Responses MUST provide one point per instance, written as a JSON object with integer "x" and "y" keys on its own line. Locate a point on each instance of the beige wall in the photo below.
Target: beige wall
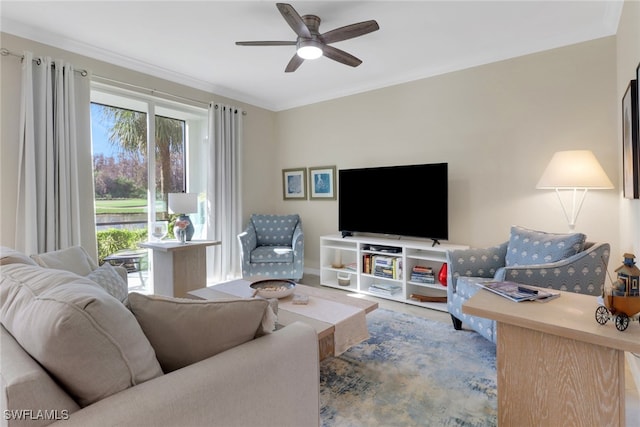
{"x": 496, "y": 125}
{"x": 628, "y": 58}
{"x": 258, "y": 150}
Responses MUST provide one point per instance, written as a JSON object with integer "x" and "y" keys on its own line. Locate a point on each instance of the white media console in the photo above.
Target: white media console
{"x": 343, "y": 265}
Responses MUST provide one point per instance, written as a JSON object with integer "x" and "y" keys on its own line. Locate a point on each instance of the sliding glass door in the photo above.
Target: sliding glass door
{"x": 143, "y": 149}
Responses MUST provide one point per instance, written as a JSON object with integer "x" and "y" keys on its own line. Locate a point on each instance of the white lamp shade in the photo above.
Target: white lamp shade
{"x": 574, "y": 169}
{"x": 183, "y": 203}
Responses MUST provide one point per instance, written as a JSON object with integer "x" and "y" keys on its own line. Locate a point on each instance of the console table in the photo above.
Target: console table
{"x": 179, "y": 267}
{"x": 555, "y": 363}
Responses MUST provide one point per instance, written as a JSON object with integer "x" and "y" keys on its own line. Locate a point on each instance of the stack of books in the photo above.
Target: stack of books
{"x": 384, "y": 289}
{"x": 421, "y": 274}
{"x": 382, "y": 266}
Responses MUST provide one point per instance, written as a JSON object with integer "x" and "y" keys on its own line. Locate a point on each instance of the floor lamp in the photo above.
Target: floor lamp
{"x": 577, "y": 171}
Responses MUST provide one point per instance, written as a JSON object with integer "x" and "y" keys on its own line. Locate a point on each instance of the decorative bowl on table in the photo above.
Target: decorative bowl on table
{"x": 273, "y": 288}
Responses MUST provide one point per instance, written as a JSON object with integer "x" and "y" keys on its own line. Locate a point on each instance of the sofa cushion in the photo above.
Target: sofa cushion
{"x": 185, "y": 331}
{"x": 74, "y": 259}
{"x": 85, "y": 338}
{"x": 529, "y": 247}
{"x": 275, "y": 230}
{"x": 11, "y": 256}
{"x": 108, "y": 278}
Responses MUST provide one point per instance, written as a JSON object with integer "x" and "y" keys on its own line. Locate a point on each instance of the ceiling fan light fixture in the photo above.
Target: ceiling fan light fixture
{"x": 309, "y": 49}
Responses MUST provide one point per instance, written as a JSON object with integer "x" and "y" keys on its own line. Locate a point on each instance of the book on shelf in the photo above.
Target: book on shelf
{"x": 429, "y": 279}
{"x": 420, "y": 269}
{"x": 385, "y": 288}
{"x": 422, "y": 274}
{"x": 518, "y": 292}
{"x": 382, "y": 266}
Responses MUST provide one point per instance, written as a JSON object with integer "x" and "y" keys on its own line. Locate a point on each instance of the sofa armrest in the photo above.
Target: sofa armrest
{"x": 583, "y": 273}
{"x": 26, "y": 386}
{"x": 272, "y": 380}
{"x": 474, "y": 262}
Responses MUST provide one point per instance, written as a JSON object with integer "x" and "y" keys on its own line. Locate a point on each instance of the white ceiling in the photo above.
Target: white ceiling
{"x": 193, "y": 42}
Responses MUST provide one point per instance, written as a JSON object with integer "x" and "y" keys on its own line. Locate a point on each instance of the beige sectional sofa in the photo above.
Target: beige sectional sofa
{"x": 75, "y": 350}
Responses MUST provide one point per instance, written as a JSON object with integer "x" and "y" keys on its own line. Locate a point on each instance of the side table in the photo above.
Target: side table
{"x": 556, "y": 365}
{"x": 179, "y": 267}
{"x": 131, "y": 259}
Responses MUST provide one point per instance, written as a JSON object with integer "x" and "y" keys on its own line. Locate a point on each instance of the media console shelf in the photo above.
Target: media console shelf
{"x": 349, "y": 263}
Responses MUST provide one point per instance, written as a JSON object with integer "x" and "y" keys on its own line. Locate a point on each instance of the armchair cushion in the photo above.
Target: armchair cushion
{"x": 186, "y": 331}
{"x": 274, "y": 230}
{"x": 86, "y": 339}
{"x": 272, "y": 254}
{"x": 528, "y": 247}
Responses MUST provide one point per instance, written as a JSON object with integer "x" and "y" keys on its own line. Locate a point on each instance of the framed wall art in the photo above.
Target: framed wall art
{"x": 638, "y": 100}
{"x": 294, "y": 184}
{"x": 630, "y": 149}
{"x": 322, "y": 181}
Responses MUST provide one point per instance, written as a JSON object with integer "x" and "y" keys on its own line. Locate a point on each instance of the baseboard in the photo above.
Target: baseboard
{"x": 313, "y": 271}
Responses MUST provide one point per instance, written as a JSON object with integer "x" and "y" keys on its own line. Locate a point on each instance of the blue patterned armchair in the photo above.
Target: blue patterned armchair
{"x": 559, "y": 261}
{"x": 272, "y": 246}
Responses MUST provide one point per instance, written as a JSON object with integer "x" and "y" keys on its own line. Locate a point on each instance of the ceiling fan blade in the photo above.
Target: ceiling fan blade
{"x": 350, "y": 31}
{"x": 267, "y": 43}
{"x": 340, "y": 56}
{"x": 294, "y": 19}
{"x": 293, "y": 64}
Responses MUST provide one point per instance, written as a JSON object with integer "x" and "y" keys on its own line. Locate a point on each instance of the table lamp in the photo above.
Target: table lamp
{"x": 183, "y": 204}
{"x": 573, "y": 171}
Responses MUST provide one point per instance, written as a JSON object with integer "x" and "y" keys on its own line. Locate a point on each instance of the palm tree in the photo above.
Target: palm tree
{"x": 129, "y": 133}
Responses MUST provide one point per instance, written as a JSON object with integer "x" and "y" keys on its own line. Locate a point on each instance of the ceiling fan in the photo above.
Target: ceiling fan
{"x": 310, "y": 44}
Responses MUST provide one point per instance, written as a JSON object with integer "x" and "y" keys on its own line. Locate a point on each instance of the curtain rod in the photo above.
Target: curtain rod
{"x": 155, "y": 91}
{"x": 7, "y": 52}
{"x": 152, "y": 91}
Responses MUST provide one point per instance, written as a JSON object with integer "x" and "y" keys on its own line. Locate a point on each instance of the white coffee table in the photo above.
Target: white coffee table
{"x": 327, "y": 309}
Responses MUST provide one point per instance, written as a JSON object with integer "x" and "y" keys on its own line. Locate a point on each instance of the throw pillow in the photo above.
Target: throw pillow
{"x": 74, "y": 259}
{"x": 528, "y": 247}
{"x": 11, "y": 256}
{"x": 185, "y": 331}
{"x": 86, "y": 339}
{"x": 108, "y": 278}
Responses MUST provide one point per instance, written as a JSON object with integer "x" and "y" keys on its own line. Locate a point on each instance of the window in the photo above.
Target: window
{"x": 134, "y": 173}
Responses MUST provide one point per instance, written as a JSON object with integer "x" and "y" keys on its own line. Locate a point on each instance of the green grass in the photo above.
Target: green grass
{"x": 106, "y": 206}
{"x": 125, "y": 206}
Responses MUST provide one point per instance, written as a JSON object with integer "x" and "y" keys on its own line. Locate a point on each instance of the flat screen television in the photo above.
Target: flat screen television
{"x": 410, "y": 200}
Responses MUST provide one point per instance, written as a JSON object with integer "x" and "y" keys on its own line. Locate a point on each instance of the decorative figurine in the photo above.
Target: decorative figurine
{"x": 623, "y": 300}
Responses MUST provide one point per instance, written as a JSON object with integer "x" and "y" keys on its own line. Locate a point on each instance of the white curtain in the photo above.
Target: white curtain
{"x": 55, "y": 194}
{"x": 224, "y": 210}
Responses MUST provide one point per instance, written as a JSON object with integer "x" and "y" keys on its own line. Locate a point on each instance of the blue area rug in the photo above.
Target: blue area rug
{"x": 411, "y": 372}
